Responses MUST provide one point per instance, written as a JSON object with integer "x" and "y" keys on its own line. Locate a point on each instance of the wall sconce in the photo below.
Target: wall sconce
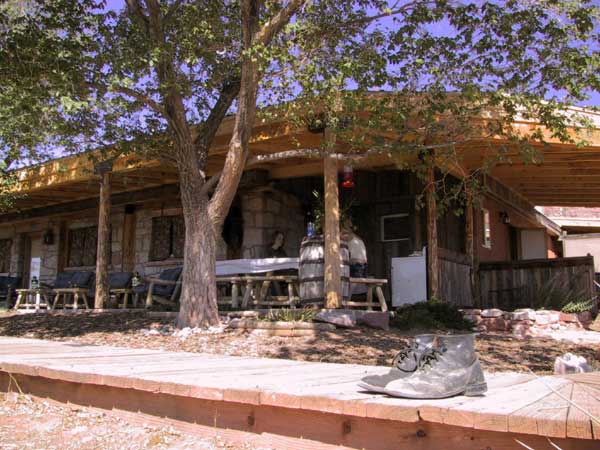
{"x": 48, "y": 237}
{"x": 504, "y": 218}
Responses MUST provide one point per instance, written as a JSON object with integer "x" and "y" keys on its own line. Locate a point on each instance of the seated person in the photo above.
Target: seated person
{"x": 275, "y": 249}
{"x": 357, "y": 250}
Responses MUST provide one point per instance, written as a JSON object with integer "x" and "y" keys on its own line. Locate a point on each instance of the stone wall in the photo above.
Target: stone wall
{"x": 266, "y": 211}
{"x": 526, "y": 323}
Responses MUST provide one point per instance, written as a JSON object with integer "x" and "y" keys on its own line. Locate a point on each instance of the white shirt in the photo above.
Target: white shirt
{"x": 357, "y": 249}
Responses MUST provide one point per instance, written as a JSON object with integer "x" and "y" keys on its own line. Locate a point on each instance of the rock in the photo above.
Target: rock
{"x": 476, "y": 319}
{"x": 375, "y": 319}
{"x": 568, "y": 318}
{"x": 585, "y": 318}
{"x": 184, "y": 333}
{"x": 489, "y": 313}
{"x": 522, "y": 330}
{"x": 471, "y": 312}
{"x": 547, "y": 317}
{"x": 523, "y": 314}
{"x": 341, "y": 319}
{"x": 570, "y": 363}
{"x": 495, "y": 324}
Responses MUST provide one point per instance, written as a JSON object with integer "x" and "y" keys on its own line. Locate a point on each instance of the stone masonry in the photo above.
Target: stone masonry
{"x": 525, "y": 323}
{"x": 266, "y": 211}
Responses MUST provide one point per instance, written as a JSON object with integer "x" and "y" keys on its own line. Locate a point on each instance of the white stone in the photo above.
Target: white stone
{"x": 491, "y": 313}
{"x": 570, "y": 363}
{"x": 338, "y": 318}
{"x": 547, "y": 317}
{"x": 523, "y": 314}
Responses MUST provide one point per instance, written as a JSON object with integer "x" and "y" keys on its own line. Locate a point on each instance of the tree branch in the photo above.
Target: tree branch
{"x": 277, "y": 22}
{"x": 210, "y": 126}
{"x": 136, "y": 10}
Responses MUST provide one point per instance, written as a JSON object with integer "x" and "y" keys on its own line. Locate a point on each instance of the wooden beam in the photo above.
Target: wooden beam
{"x": 103, "y": 249}
{"x": 128, "y": 239}
{"x": 167, "y": 191}
{"x": 332, "y": 280}
{"x": 432, "y": 237}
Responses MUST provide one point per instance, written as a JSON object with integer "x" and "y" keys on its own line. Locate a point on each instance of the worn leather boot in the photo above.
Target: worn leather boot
{"x": 404, "y": 364}
{"x": 449, "y": 368}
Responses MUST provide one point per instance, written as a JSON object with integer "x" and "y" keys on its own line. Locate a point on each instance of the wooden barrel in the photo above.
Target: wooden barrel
{"x": 311, "y": 270}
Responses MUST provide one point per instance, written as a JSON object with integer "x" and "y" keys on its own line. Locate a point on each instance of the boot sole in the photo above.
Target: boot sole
{"x": 473, "y": 390}
{"x": 372, "y": 388}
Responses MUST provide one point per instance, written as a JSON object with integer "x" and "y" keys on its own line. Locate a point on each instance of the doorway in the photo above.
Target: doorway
{"x": 32, "y": 258}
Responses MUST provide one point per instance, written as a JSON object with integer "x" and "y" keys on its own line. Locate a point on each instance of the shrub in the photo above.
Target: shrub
{"x": 558, "y": 295}
{"x": 290, "y": 315}
{"x": 430, "y": 315}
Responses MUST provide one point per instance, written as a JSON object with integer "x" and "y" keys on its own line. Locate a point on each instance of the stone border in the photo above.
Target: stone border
{"x": 526, "y": 322}
{"x": 284, "y": 329}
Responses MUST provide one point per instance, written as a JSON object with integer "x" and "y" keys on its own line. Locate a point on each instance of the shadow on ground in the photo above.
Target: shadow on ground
{"x": 60, "y": 326}
{"x": 497, "y": 351}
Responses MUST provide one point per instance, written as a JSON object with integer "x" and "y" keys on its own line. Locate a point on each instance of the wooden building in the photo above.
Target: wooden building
{"x": 53, "y": 227}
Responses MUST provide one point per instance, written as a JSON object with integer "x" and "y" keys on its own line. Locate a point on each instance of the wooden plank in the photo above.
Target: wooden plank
{"x": 545, "y": 417}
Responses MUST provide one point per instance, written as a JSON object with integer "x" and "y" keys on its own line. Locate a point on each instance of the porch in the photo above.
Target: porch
{"x": 298, "y": 404}
{"x": 131, "y": 221}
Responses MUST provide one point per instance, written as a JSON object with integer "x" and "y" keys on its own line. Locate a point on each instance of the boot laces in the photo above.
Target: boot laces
{"x": 403, "y": 355}
{"x": 429, "y": 359}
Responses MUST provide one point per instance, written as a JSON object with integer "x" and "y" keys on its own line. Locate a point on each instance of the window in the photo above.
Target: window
{"x": 82, "y": 247}
{"x": 487, "y": 229}
{"x": 5, "y": 246}
{"x": 168, "y": 237}
{"x": 395, "y": 227}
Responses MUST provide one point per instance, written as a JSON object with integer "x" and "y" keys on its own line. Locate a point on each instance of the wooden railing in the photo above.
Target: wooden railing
{"x": 516, "y": 284}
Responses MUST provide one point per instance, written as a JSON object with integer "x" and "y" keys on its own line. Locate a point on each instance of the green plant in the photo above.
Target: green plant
{"x": 558, "y": 293}
{"x": 578, "y": 306}
{"x": 319, "y": 210}
{"x": 433, "y": 315}
{"x": 289, "y": 315}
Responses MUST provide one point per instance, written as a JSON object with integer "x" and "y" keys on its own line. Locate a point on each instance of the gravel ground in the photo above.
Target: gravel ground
{"x": 28, "y": 423}
{"x": 497, "y": 351}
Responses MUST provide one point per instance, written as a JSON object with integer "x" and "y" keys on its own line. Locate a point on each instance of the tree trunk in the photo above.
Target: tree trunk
{"x": 432, "y": 237}
{"x": 103, "y": 248}
{"x": 198, "y": 300}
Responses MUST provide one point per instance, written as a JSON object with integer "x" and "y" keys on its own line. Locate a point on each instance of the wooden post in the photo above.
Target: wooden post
{"x": 432, "y": 237}
{"x": 103, "y": 249}
{"x": 128, "y": 240}
{"x": 332, "y": 276}
{"x": 471, "y": 247}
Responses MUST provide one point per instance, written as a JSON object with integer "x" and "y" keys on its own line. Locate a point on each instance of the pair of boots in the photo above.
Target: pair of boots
{"x": 435, "y": 366}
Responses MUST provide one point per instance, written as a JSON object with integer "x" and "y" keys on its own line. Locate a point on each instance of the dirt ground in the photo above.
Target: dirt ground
{"x": 497, "y": 351}
{"x": 29, "y": 423}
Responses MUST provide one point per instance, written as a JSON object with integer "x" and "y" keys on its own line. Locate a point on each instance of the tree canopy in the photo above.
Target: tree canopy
{"x": 405, "y": 77}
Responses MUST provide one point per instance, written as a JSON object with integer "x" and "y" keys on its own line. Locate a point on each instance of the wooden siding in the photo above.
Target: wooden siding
{"x": 516, "y": 284}
{"x": 455, "y": 278}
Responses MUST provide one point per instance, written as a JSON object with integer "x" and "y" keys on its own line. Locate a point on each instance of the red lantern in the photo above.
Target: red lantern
{"x": 348, "y": 182}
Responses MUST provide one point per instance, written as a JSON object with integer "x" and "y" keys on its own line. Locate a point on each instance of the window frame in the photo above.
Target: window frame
{"x": 382, "y": 227}
{"x": 171, "y": 238}
{"x": 486, "y": 228}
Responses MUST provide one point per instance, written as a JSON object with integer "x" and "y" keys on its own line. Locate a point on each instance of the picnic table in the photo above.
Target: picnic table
{"x": 250, "y": 280}
{"x": 34, "y": 298}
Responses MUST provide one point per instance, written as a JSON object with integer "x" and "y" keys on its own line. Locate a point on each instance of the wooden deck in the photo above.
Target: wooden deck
{"x": 303, "y": 405}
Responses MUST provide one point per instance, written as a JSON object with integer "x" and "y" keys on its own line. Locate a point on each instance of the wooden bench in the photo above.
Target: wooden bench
{"x": 373, "y": 284}
{"x": 35, "y": 299}
{"x": 75, "y": 294}
{"x": 253, "y": 291}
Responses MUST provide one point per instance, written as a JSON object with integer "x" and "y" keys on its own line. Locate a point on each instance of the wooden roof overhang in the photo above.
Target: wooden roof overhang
{"x": 565, "y": 175}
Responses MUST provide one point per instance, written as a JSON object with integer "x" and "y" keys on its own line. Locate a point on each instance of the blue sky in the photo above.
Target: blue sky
{"x": 594, "y": 99}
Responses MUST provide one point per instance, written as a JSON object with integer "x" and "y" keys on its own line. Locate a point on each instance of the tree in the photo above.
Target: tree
{"x": 157, "y": 78}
